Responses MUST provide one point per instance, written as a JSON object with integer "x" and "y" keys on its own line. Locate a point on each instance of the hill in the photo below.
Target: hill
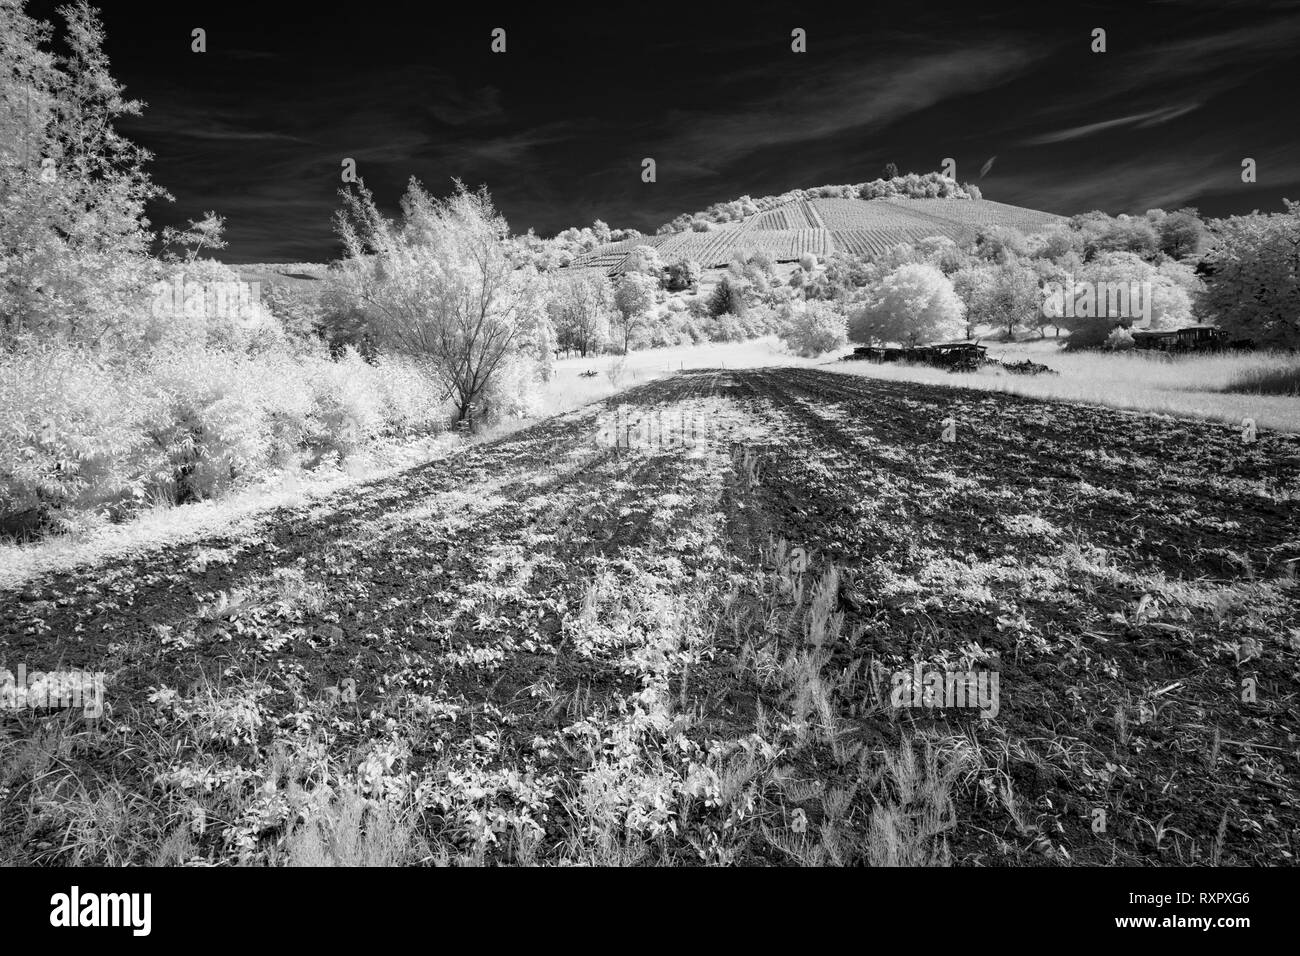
{"x": 823, "y": 226}
{"x": 291, "y": 274}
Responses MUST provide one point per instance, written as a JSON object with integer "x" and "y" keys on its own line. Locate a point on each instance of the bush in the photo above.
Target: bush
{"x": 727, "y": 328}
{"x": 1119, "y": 340}
{"x": 81, "y": 433}
{"x": 72, "y": 433}
{"x": 513, "y": 391}
{"x": 813, "y": 328}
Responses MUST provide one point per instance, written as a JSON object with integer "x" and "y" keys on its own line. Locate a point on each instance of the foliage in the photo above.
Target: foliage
{"x": 1182, "y": 234}
{"x": 634, "y": 297}
{"x": 580, "y": 305}
{"x": 682, "y": 275}
{"x": 73, "y": 240}
{"x": 1160, "y": 291}
{"x": 1119, "y": 339}
{"x": 727, "y": 297}
{"x": 813, "y": 328}
{"x": 913, "y": 303}
{"x": 1006, "y": 295}
{"x": 80, "y": 432}
{"x": 1252, "y": 284}
{"x": 441, "y": 285}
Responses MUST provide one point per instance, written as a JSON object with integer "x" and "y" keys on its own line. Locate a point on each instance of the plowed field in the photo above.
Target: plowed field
{"x": 670, "y": 629}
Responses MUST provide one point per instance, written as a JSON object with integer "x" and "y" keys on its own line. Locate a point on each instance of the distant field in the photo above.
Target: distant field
{"x": 824, "y": 226}
{"x": 282, "y": 273}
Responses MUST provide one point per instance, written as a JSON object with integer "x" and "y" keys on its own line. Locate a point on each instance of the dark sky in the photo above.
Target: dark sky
{"x": 557, "y": 126}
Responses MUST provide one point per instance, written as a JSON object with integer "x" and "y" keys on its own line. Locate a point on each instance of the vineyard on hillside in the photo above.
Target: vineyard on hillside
{"x": 824, "y": 226}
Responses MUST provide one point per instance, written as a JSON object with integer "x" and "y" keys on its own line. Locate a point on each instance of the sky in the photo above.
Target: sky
{"x": 256, "y": 128}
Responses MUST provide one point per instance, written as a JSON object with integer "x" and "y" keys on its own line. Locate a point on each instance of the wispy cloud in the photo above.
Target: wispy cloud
{"x": 840, "y": 98}
{"x": 1143, "y": 120}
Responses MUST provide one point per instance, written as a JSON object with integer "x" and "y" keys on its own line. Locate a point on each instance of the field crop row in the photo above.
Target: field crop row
{"x": 822, "y": 226}
{"x": 870, "y": 242}
{"x": 977, "y": 212}
{"x": 798, "y": 214}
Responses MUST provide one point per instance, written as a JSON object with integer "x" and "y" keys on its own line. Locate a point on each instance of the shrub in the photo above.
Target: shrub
{"x": 80, "y": 433}
{"x": 513, "y": 392}
{"x": 212, "y": 429}
{"x": 813, "y": 328}
{"x": 72, "y": 433}
{"x": 727, "y": 328}
{"x": 1119, "y": 340}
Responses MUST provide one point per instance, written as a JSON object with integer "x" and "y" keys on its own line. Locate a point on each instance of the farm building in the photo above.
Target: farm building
{"x": 1188, "y": 338}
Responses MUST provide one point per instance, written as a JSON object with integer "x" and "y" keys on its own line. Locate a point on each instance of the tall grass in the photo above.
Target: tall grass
{"x": 1216, "y": 386}
{"x": 1264, "y": 380}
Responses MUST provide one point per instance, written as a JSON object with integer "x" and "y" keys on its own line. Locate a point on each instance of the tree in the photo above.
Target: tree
{"x": 74, "y": 243}
{"x": 1118, "y": 289}
{"x": 727, "y": 298}
{"x": 1252, "y": 285}
{"x": 1056, "y": 243}
{"x": 440, "y": 285}
{"x": 580, "y": 308}
{"x": 891, "y": 171}
{"x": 1000, "y": 244}
{"x": 1182, "y": 234}
{"x": 1006, "y": 295}
{"x": 1133, "y": 234}
{"x": 812, "y": 328}
{"x": 682, "y": 275}
{"x": 645, "y": 259}
{"x": 913, "y": 303}
{"x": 843, "y": 276}
{"x": 634, "y": 297}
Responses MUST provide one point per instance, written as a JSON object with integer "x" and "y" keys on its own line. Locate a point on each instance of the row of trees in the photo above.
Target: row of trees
{"x": 1239, "y": 273}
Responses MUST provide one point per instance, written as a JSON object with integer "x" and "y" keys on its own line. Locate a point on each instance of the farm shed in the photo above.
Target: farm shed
{"x": 1188, "y": 338}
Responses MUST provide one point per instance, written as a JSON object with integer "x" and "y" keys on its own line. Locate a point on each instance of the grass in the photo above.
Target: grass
{"x": 1269, "y": 381}
{"x": 1224, "y": 386}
